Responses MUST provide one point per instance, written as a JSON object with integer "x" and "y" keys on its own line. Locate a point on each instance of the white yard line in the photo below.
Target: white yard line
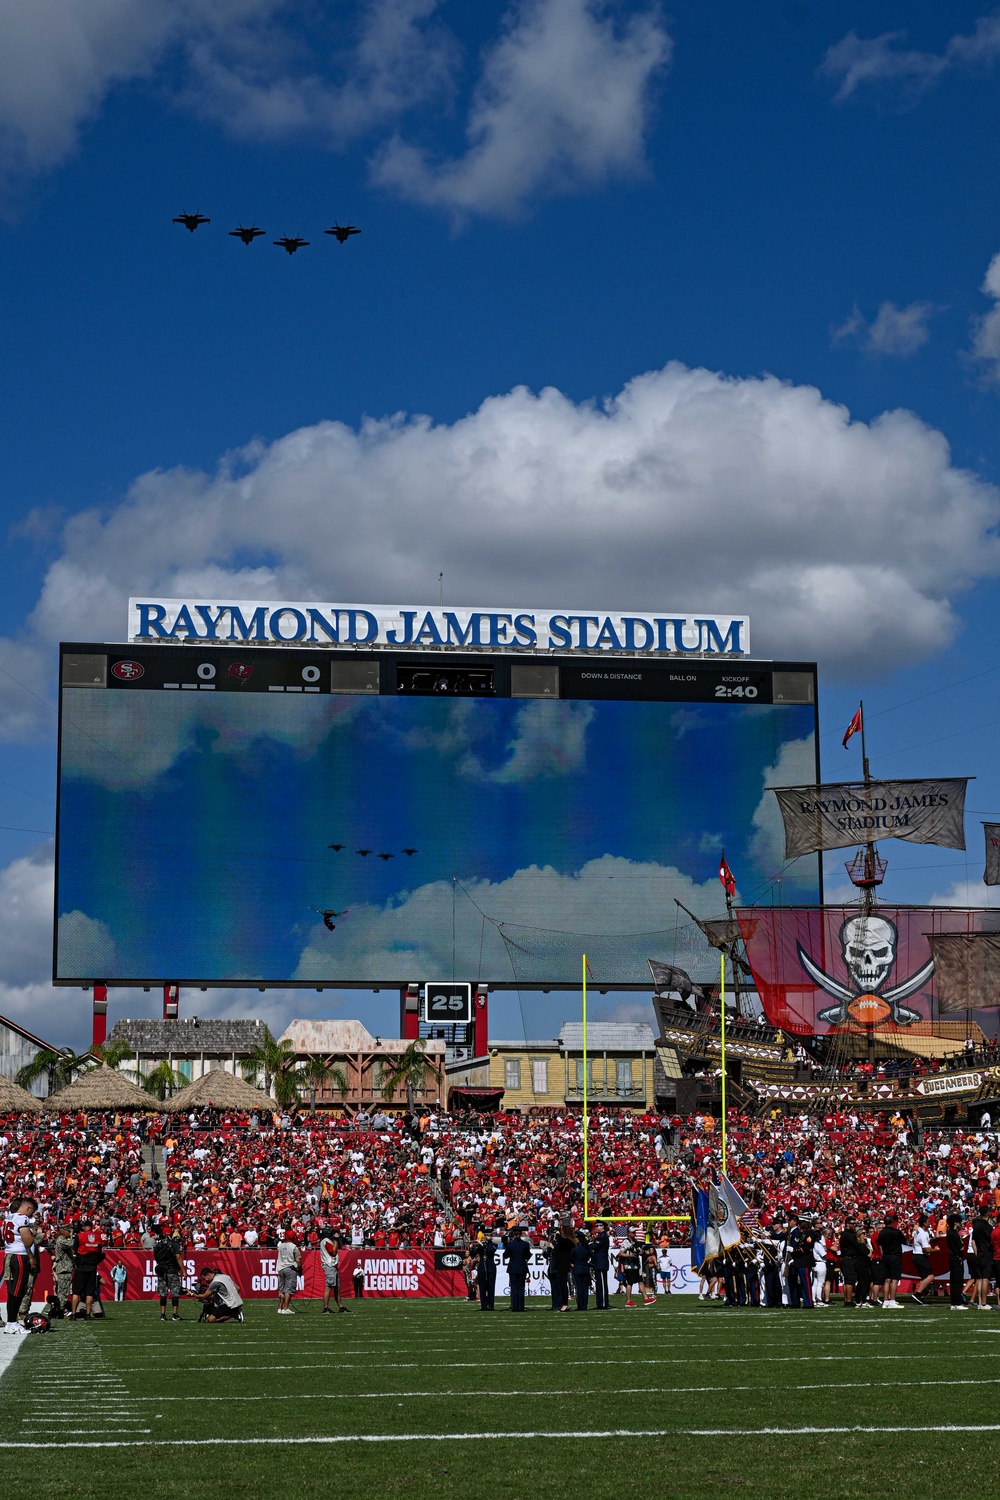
{"x": 636, "y": 1390}
{"x": 515, "y": 1437}
{"x": 427, "y": 1364}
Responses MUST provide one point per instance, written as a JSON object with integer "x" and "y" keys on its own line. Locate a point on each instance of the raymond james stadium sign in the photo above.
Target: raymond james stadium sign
{"x": 415, "y": 626}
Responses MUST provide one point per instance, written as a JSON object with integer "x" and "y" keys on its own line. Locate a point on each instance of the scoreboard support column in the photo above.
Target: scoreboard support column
{"x": 100, "y": 1031}
{"x": 409, "y": 1012}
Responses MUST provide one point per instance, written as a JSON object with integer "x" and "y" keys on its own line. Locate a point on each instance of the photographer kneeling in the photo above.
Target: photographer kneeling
{"x": 219, "y": 1296}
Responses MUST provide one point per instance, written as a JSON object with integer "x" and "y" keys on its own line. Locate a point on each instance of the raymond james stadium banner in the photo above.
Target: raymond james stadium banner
{"x": 391, "y": 627}
{"x": 825, "y": 969}
{"x": 839, "y": 814}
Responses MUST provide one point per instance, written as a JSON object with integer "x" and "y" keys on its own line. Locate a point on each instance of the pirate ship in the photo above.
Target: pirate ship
{"x": 864, "y": 1002}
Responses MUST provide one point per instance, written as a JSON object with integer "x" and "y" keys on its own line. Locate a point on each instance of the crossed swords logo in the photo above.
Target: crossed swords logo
{"x": 869, "y": 949}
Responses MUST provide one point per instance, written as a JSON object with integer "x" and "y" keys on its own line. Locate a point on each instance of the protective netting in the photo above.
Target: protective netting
{"x": 536, "y": 953}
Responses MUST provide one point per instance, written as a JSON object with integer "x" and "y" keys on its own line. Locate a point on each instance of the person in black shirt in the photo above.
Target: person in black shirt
{"x": 601, "y": 1264}
{"x": 486, "y": 1275}
{"x": 168, "y": 1273}
{"x": 518, "y": 1256}
{"x": 956, "y": 1262}
{"x": 890, "y": 1242}
{"x": 560, "y": 1263}
{"x": 981, "y": 1259}
{"x": 855, "y": 1266}
{"x": 582, "y": 1258}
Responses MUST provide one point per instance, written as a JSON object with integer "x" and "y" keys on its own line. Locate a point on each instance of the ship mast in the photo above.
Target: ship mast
{"x": 867, "y": 868}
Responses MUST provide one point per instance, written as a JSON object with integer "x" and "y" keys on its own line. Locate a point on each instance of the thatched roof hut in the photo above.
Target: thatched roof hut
{"x": 100, "y": 1088}
{"x": 16, "y": 1100}
{"x": 220, "y": 1090}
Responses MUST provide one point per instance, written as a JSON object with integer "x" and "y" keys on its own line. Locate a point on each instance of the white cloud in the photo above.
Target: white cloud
{"x": 549, "y": 739}
{"x": 113, "y": 751}
{"x": 858, "y": 61}
{"x": 845, "y": 541}
{"x": 86, "y": 947}
{"x": 607, "y": 900}
{"x": 794, "y": 766}
{"x": 562, "y": 103}
{"x": 986, "y": 330}
{"x": 898, "y": 331}
{"x": 261, "y": 68}
{"x": 264, "y": 83}
{"x": 964, "y": 893}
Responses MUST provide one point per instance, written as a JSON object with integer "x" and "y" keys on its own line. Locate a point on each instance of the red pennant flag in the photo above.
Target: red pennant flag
{"x": 854, "y": 727}
{"x": 726, "y": 876}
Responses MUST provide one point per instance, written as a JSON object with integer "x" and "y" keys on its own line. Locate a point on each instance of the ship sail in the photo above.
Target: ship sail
{"x": 836, "y": 814}
{"x": 966, "y": 969}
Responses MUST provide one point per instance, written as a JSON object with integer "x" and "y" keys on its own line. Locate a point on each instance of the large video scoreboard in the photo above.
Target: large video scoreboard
{"x": 240, "y": 815}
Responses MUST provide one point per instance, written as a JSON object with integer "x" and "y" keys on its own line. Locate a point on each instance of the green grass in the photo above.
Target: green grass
{"x": 398, "y": 1367}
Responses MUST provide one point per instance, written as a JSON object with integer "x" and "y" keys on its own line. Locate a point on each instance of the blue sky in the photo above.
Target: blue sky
{"x": 569, "y": 210}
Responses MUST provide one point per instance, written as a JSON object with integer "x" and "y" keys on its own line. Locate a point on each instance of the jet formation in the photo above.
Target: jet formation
{"x": 250, "y": 232}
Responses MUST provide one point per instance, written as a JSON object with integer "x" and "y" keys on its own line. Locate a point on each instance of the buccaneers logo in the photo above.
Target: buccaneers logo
{"x": 868, "y": 944}
{"x": 241, "y": 670}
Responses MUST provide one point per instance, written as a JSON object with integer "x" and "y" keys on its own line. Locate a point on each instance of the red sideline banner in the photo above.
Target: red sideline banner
{"x": 386, "y": 1273}
{"x": 400, "y": 1273}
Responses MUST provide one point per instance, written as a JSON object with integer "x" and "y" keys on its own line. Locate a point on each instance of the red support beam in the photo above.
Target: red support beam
{"x": 100, "y": 1031}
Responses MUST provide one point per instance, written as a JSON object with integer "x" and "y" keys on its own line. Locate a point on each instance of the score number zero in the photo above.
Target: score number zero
{"x": 736, "y": 692}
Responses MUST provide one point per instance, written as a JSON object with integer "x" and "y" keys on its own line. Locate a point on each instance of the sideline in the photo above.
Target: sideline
{"x": 10, "y": 1343}
{"x": 338, "y": 1439}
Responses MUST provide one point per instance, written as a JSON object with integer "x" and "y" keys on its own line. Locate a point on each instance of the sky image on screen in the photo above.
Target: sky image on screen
{"x": 195, "y": 834}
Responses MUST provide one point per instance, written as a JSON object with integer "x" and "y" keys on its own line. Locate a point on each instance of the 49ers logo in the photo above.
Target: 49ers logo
{"x": 127, "y": 671}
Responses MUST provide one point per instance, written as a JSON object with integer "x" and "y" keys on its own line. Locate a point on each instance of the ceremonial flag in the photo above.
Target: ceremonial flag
{"x": 726, "y": 876}
{"x": 727, "y": 1230}
{"x": 854, "y": 727}
{"x": 699, "y": 1227}
{"x": 736, "y": 1201}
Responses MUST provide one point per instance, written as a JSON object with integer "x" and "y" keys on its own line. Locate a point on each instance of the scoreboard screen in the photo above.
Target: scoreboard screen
{"x": 233, "y": 815}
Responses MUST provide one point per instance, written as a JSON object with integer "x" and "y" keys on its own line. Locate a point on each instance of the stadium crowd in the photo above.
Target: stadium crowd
{"x": 232, "y": 1180}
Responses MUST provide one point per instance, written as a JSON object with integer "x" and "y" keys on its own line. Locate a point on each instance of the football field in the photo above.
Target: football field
{"x": 438, "y": 1399}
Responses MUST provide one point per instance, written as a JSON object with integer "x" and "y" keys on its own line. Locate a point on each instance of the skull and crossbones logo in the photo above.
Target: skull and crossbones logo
{"x": 868, "y": 944}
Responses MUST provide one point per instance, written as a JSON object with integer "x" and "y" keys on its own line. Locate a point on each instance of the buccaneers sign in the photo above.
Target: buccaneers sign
{"x": 824, "y": 969}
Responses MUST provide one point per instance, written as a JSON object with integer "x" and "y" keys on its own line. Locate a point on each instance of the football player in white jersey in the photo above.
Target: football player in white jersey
{"x": 22, "y": 1258}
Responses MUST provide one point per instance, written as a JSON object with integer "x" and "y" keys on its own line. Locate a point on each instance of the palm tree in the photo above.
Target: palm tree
{"x": 316, "y": 1073}
{"x": 162, "y": 1080}
{"x": 60, "y": 1068}
{"x": 114, "y": 1053}
{"x": 276, "y": 1061}
{"x": 408, "y": 1069}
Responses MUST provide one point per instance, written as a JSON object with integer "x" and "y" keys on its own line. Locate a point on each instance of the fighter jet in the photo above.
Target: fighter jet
{"x": 338, "y": 847}
{"x": 291, "y": 244}
{"x": 387, "y": 856}
{"x": 363, "y": 852}
{"x": 341, "y": 232}
{"x": 329, "y": 915}
{"x": 191, "y": 221}
{"x": 241, "y": 232}
{"x": 410, "y": 852}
